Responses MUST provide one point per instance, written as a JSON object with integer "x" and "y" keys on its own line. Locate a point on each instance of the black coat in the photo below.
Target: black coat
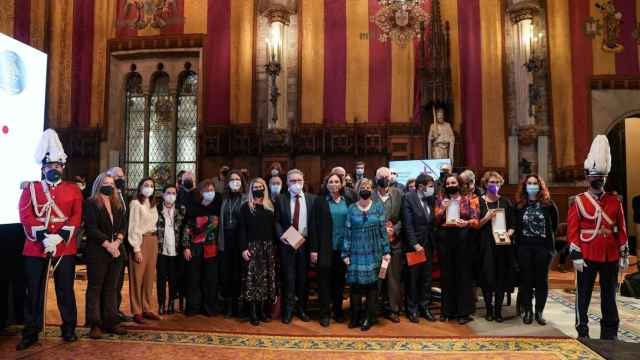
{"x": 418, "y": 227}
{"x": 283, "y": 218}
{"x": 324, "y": 247}
{"x": 99, "y": 228}
{"x": 258, "y": 226}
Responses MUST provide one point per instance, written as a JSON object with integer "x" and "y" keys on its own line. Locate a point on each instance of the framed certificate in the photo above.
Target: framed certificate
{"x": 453, "y": 212}
{"x": 499, "y": 228}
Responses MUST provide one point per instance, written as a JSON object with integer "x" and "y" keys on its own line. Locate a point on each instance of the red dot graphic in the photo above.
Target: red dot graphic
{"x": 5, "y": 129}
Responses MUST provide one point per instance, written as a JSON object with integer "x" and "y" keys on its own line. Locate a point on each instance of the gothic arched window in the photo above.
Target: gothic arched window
{"x": 161, "y": 126}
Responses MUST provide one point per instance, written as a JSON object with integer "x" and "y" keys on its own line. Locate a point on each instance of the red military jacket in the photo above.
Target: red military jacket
{"x": 68, "y": 200}
{"x": 607, "y": 242}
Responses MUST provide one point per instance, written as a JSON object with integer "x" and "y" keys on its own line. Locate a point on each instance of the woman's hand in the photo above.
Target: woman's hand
{"x": 187, "y": 254}
{"x": 246, "y": 255}
{"x": 137, "y": 256}
{"x": 386, "y": 258}
{"x": 346, "y": 261}
{"x": 445, "y": 203}
{"x": 462, "y": 223}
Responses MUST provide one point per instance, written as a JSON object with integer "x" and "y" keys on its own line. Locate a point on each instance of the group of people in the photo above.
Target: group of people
{"x": 238, "y": 246}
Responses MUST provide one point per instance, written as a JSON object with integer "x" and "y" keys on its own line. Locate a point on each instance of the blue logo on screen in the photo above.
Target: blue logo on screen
{"x": 13, "y": 74}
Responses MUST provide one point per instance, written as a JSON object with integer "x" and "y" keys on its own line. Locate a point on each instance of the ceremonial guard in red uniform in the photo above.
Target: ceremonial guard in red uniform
{"x": 598, "y": 238}
{"x": 50, "y": 212}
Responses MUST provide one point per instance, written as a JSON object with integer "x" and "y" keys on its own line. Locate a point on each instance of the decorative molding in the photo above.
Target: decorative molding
{"x": 178, "y": 41}
{"x": 524, "y": 10}
{"x": 615, "y": 82}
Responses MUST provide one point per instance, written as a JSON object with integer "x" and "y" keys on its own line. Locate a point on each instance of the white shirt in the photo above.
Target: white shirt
{"x": 426, "y": 208}
{"x": 384, "y": 197}
{"x": 169, "y": 245}
{"x": 302, "y": 219}
{"x": 142, "y": 219}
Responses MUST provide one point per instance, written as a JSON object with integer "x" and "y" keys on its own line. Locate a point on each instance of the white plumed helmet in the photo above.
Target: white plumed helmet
{"x": 50, "y": 149}
{"x": 598, "y": 161}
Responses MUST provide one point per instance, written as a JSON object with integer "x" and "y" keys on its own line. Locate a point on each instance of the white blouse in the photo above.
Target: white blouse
{"x": 142, "y": 219}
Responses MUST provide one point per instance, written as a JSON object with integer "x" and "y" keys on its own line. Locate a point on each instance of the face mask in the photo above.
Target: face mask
{"x": 53, "y": 176}
{"x": 120, "y": 183}
{"x": 429, "y": 191}
{"x": 235, "y": 185}
{"x": 208, "y": 196}
{"x": 296, "y": 188}
{"x": 532, "y": 190}
{"x": 275, "y": 189}
{"x": 349, "y": 183}
{"x": 365, "y": 194}
{"x": 147, "y": 191}
{"x": 188, "y": 184}
{"x": 334, "y": 188}
{"x": 274, "y": 172}
{"x": 597, "y": 185}
{"x": 258, "y": 194}
{"x": 383, "y": 182}
{"x": 225, "y": 172}
{"x": 493, "y": 188}
{"x": 106, "y": 190}
{"x": 451, "y": 190}
{"x": 359, "y": 171}
{"x": 170, "y": 198}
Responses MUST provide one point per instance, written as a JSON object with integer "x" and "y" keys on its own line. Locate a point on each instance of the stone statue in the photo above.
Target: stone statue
{"x": 441, "y": 138}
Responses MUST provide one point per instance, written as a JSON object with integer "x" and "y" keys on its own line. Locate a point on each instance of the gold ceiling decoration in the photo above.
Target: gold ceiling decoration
{"x": 400, "y": 20}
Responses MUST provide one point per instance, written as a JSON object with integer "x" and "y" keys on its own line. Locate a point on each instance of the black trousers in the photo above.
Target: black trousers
{"x": 294, "y": 275}
{"x": 331, "y": 282}
{"x": 534, "y": 274}
{"x": 231, "y": 266}
{"x": 456, "y": 258}
{"x": 36, "y": 271}
{"x": 608, "y": 282}
{"x": 12, "y": 286}
{"x": 370, "y": 291}
{"x": 125, "y": 265}
{"x": 103, "y": 276}
{"x": 202, "y": 293}
{"x": 419, "y": 283}
{"x": 166, "y": 274}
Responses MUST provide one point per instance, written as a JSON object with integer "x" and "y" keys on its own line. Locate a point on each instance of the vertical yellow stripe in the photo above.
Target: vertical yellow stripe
{"x": 638, "y": 20}
{"x": 312, "y": 61}
{"x": 357, "y": 84}
{"x": 195, "y": 17}
{"x": 7, "y": 14}
{"x": 494, "y": 151}
{"x": 402, "y": 76}
{"x": 450, "y": 13}
{"x": 37, "y": 26}
{"x": 59, "y": 87}
{"x": 561, "y": 81}
{"x": 604, "y": 63}
{"x": 104, "y": 18}
{"x": 242, "y": 19}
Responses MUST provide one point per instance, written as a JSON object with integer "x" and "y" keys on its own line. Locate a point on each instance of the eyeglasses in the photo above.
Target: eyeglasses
{"x": 296, "y": 181}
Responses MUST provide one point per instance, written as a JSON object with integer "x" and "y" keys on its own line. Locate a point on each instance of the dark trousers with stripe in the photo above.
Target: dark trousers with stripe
{"x": 608, "y": 282}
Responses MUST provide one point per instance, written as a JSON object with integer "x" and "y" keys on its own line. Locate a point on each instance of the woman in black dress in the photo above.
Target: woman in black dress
{"x": 497, "y": 272}
{"x": 257, "y": 235}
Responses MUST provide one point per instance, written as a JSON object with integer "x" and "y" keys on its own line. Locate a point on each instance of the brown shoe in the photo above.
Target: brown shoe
{"x": 117, "y": 330}
{"x": 150, "y": 316}
{"x": 138, "y": 319}
{"x": 95, "y": 333}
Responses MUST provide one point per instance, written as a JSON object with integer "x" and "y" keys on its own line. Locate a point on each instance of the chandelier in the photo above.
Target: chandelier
{"x": 400, "y": 20}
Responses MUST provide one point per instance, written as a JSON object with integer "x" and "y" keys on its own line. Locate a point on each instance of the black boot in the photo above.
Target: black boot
{"x": 539, "y": 319}
{"x": 26, "y": 343}
{"x": 498, "y": 312}
{"x": 528, "y": 317}
{"x": 253, "y": 314}
{"x": 488, "y": 305}
{"x": 367, "y": 323}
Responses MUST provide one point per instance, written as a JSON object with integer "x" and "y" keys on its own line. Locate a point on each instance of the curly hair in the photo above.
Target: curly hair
{"x": 543, "y": 195}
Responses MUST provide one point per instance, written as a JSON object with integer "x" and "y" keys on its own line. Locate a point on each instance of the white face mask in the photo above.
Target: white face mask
{"x": 429, "y": 191}
{"x": 235, "y": 185}
{"x": 170, "y": 198}
{"x": 147, "y": 191}
{"x": 208, "y": 196}
{"x": 296, "y": 188}
{"x": 359, "y": 171}
{"x": 275, "y": 189}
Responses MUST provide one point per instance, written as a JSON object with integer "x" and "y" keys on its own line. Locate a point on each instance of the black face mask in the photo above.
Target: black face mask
{"x": 383, "y": 183}
{"x": 365, "y": 194}
{"x": 120, "y": 183}
{"x": 106, "y": 190}
{"x": 597, "y": 184}
{"x": 224, "y": 172}
{"x": 53, "y": 176}
{"x": 188, "y": 184}
{"x": 258, "y": 194}
{"x": 450, "y": 190}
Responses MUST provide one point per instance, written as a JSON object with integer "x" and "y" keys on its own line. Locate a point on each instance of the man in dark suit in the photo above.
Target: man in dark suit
{"x": 419, "y": 221}
{"x": 298, "y": 209}
{"x": 391, "y": 199}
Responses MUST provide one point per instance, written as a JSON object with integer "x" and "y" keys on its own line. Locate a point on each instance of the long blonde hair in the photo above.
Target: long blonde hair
{"x": 95, "y": 191}
{"x": 266, "y": 200}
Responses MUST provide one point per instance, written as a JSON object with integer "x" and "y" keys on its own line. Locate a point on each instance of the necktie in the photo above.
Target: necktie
{"x": 296, "y": 213}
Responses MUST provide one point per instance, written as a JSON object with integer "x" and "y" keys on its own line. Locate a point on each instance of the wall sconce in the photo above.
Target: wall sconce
{"x": 278, "y": 17}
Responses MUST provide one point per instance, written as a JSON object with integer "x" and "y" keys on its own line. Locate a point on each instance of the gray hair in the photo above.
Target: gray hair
{"x": 469, "y": 175}
{"x": 382, "y": 170}
{"x": 97, "y": 183}
{"x": 294, "y": 172}
{"x": 112, "y": 171}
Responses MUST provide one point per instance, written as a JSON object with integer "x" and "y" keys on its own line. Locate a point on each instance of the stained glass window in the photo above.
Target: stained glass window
{"x": 161, "y": 126}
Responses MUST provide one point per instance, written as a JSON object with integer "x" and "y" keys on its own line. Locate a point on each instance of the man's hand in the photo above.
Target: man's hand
{"x": 246, "y": 255}
{"x": 314, "y": 257}
{"x": 187, "y": 254}
{"x": 418, "y": 248}
{"x": 579, "y": 265}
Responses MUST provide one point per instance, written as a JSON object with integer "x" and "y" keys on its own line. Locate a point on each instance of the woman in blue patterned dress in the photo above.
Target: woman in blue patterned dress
{"x": 365, "y": 247}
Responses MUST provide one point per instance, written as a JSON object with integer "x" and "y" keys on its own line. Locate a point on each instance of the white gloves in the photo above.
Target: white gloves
{"x": 624, "y": 263}
{"x": 50, "y": 242}
{"x": 579, "y": 265}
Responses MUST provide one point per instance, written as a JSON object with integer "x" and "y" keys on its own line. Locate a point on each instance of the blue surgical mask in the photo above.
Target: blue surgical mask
{"x": 533, "y": 190}
{"x": 295, "y": 188}
{"x": 208, "y": 196}
{"x": 275, "y": 189}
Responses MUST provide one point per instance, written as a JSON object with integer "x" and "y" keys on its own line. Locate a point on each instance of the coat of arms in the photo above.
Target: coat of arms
{"x": 608, "y": 26}
{"x": 139, "y": 14}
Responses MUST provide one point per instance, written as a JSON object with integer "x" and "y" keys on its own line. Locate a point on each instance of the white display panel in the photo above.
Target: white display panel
{"x": 23, "y": 77}
{"x": 408, "y": 169}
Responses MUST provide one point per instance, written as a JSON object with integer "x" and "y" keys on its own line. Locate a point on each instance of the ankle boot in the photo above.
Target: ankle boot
{"x": 498, "y": 312}
{"x": 539, "y": 319}
{"x": 253, "y": 314}
{"x": 528, "y": 317}
{"x": 489, "y": 311}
